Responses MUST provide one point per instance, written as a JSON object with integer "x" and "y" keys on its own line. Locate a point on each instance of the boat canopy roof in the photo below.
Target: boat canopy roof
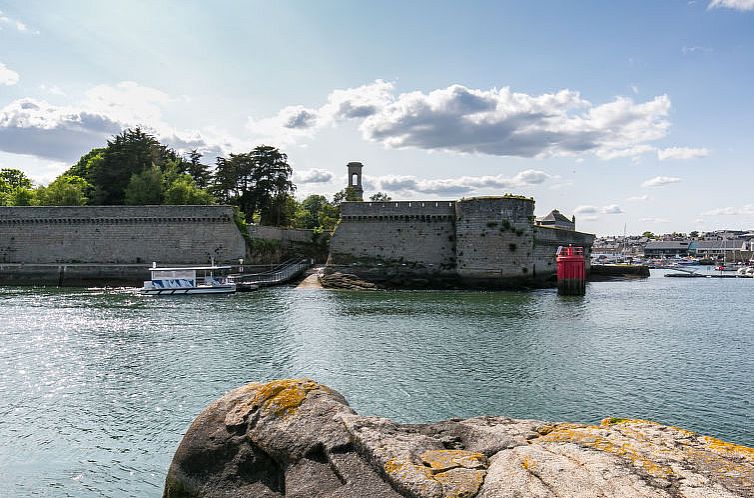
{"x": 205, "y": 268}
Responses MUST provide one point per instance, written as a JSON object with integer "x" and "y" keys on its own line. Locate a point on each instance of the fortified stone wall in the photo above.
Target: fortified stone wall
{"x": 494, "y": 239}
{"x": 481, "y": 241}
{"x": 119, "y": 235}
{"x": 380, "y": 239}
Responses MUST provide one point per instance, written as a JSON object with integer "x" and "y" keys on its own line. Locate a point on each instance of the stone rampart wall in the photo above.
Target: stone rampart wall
{"x": 119, "y": 235}
{"x": 389, "y": 237}
{"x": 494, "y": 238}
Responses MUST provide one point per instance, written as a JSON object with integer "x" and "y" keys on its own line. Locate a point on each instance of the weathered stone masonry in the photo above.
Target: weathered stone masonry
{"x": 93, "y": 236}
{"x": 485, "y": 241}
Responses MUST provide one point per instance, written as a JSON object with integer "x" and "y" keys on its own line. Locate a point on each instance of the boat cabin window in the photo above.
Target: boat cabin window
{"x": 173, "y": 274}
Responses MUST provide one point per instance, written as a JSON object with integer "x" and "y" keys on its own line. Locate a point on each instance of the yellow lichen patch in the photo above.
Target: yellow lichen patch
{"x": 283, "y": 397}
{"x": 607, "y": 422}
{"x": 460, "y": 482}
{"x": 528, "y": 464}
{"x": 589, "y": 437}
{"x": 729, "y": 450}
{"x": 279, "y": 397}
{"x": 442, "y": 460}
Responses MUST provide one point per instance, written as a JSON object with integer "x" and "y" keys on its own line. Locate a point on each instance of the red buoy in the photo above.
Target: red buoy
{"x": 571, "y": 271}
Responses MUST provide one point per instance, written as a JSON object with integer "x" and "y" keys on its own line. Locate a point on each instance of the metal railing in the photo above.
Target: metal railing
{"x": 281, "y": 274}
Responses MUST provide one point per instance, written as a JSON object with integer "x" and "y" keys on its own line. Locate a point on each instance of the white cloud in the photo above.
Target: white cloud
{"x": 659, "y": 181}
{"x": 313, "y": 175}
{"x": 741, "y": 5}
{"x": 745, "y": 210}
{"x": 29, "y": 126}
{"x": 359, "y": 102}
{"x": 637, "y": 198}
{"x": 460, "y": 185}
{"x": 611, "y": 209}
{"x": 8, "y": 76}
{"x": 495, "y": 122}
{"x": 681, "y": 153}
{"x": 501, "y": 122}
{"x": 586, "y": 209}
{"x": 128, "y": 102}
{"x": 64, "y": 133}
{"x": 289, "y": 125}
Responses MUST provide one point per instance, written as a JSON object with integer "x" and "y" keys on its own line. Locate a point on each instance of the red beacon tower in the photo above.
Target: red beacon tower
{"x": 571, "y": 271}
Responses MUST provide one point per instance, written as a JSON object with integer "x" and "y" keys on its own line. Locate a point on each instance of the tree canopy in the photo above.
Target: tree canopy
{"x": 258, "y": 182}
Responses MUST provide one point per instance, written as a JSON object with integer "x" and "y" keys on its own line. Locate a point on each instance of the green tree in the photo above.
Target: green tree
{"x": 66, "y": 190}
{"x": 199, "y": 172}
{"x": 380, "y": 197}
{"x": 20, "y": 196}
{"x": 184, "y": 191}
{"x": 144, "y": 188}
{"x": 347, "y": 194}
{"x": 258, "y": 182}
{"x": 130, "y": 153}
{"x": 87, "y": 164}
{"x": 316, "y": 212}
{"x": 14, "y": 178}
{"x": 648, "y": 235}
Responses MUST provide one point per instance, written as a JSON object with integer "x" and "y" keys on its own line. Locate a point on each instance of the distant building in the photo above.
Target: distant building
{"x": 555, "y": 219}
{"x": 669, "y": 248}
{"x": 729, "y": 250}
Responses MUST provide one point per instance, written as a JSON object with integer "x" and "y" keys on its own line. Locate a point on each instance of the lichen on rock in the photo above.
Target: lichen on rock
{"x": 297, "y": 438}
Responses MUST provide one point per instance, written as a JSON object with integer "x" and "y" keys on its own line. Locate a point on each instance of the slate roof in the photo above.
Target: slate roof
{"x": 667, "y": 244}
{"x": 711, "y": 245}
{"x": 554, "y": 216}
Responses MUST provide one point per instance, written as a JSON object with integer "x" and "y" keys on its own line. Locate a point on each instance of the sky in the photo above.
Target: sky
{"x": 632, "y": 115}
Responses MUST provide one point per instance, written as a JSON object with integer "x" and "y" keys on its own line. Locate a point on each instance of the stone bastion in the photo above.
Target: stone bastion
{"x": 474, "y": 242}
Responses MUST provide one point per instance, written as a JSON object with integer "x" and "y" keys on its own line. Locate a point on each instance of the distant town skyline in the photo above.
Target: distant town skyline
{"x": 635, "y": 114}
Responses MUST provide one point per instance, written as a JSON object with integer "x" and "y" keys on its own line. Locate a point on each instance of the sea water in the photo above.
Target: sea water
{"x": 98, "y": 386}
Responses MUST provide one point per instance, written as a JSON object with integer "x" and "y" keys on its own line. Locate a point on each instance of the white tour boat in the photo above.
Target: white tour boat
{"x": 188, "y": 280}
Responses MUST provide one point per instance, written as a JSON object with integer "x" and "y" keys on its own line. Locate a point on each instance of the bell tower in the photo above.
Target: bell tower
{"x": 354, "y": 179}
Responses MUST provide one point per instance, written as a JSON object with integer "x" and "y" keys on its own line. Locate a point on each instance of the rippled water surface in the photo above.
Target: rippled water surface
{"x": 97, "y": 387}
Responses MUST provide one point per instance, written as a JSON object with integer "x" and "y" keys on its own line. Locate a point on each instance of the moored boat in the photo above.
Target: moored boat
{"x": 188, "y": 280}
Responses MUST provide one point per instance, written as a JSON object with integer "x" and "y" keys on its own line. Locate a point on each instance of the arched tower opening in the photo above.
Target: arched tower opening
{"x": 354, "y": 179}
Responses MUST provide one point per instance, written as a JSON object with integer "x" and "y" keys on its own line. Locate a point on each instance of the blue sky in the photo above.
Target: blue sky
{"x": 626, "y": 113}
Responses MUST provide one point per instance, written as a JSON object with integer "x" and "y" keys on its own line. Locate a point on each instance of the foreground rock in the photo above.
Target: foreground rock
{"x": 297, "y": 438}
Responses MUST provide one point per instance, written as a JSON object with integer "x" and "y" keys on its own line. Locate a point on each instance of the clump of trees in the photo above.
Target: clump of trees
{"x": 134, "y": 168}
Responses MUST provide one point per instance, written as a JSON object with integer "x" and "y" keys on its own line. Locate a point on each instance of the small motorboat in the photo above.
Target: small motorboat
{"x": 188, "y": 280}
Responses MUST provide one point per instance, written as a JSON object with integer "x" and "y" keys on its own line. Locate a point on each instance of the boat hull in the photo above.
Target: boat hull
{"x": 189, "y": 290}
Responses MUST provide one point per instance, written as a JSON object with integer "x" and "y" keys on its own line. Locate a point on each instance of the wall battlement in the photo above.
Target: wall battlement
{"x": 397, "y": 208}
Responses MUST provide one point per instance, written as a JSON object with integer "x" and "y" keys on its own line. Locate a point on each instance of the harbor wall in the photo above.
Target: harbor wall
{"x": 98, "y": 242}
{"x": 475, "y": 242}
